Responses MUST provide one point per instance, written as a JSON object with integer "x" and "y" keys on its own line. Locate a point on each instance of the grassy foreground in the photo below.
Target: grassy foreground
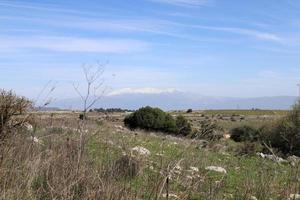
{"x": 68, "y": 160}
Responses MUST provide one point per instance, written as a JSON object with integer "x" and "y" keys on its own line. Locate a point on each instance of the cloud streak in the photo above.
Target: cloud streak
{"x": 141, "y": 91}
{"x": 183, "y": 2}
{"x": 72, "y": 44}
{"x": 41, "y": 7}
{"x": 241, "y": 31}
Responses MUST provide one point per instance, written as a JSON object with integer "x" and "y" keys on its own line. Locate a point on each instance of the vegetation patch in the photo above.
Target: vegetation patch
{"x": 155, "y": 119}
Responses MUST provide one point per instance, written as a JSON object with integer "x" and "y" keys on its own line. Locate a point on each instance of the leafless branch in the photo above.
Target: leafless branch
{"x": 95, "y": 89}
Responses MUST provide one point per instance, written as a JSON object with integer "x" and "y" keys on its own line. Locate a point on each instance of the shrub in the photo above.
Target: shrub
{"x": 208, "y": 130}
{"x": 183, "y": 126}
{"x": 151, "y": 119}
{"x": 244, "y": 133}
{"x": 170, "y": 125}
{"x": 11, "y": 105}
{"x": 189, "y": 110}
{"x": 285, "y": 134}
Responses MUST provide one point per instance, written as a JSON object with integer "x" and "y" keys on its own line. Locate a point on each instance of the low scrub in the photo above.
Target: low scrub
{"x": 284, "y": 135}
{"x": 207, "y": 130}
{"x": 244, "y": 133}
{"x": 249, "y": 148}
{"x": 183, "y": 126}
{"x": 11, "y": 106}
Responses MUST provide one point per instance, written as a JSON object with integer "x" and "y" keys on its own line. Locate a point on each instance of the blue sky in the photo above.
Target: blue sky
{"x": 211, "y": 47}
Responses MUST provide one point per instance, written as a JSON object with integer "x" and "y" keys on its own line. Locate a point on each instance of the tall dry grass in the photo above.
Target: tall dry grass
{"x": 60, "y": 166}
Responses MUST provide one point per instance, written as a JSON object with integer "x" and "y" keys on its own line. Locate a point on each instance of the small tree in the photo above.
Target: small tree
{"x": 11, "y": 106}
{"x": 94, "y": 87}
{"x": 93, "y": 92}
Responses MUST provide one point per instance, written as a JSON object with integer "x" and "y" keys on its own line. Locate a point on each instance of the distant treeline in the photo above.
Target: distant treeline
{"x": 109, "y": 110}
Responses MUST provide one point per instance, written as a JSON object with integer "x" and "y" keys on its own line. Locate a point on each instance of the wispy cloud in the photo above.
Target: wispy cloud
{"x": 44, "y": 7}
{"x": 39, "y": 7}
{"x": 243, "y": 31}
{"x": 146, "y": 25}
{"x": 183, "y": 2}
{"x": 72, "y": 44}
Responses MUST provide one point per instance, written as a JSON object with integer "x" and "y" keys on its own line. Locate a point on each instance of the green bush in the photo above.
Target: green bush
{"x": 244, "y": 133}
{"x": 189, "y": 110}
{"x": 184, "y": 127}
{"x": 285, "y": 134}
{"x": 153, "y": 119}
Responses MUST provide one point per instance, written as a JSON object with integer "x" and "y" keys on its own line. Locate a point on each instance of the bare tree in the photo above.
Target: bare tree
{"x": 91, "y": 94}
{"x": 95, "y": 88}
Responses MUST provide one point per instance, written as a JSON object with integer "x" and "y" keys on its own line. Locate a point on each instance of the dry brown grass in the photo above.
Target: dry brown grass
{"x": 64, "y": 167}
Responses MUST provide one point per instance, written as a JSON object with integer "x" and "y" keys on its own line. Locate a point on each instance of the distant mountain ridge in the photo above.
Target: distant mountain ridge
{"x": 176, "y": 100}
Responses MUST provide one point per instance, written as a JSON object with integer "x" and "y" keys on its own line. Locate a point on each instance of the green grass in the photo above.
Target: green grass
{"x": 242, "y": 170}
{"x": 247, "y": 175}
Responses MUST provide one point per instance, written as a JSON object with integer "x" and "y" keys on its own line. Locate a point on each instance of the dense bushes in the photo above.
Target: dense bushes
{"x": 244, "y": 133}
{"x": 285, "y": 134}
{"x": 11, "y": 105}
{"x": 151, "y": 119}
{"x": 155, "y": 119}
{"x": 282, "y": 135}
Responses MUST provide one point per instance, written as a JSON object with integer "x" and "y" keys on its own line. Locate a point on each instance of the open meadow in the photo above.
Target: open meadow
{"x": 102, "y": 159}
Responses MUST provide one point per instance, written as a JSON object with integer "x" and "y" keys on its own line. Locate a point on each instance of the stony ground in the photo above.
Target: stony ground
{"x": 61, "y": 158}
{"x": 207, "y": 171}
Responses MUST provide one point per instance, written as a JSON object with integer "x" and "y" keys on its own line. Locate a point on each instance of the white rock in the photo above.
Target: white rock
{"x": 35, "y": 140}
{"x": 119, "y": 127}
{"x": 272, "y": 157}
{"x": 227, "y": 136}
{"x": 141, "y": 151}
{"x": 294, "y": 196}
{"x": 110, "y": 142}
{"x": 194, "y": 169}
{"x": 261, "y": 155}
{"x": 253, "y": 198}
{"x": 293, "y": 160}
{"x": 216, "y": 169}
{"x": 28, "y": 126}
{"x": 171, "y": 196}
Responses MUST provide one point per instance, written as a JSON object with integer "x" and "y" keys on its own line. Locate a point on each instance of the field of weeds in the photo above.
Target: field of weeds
{"x": 63, "y": 158}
